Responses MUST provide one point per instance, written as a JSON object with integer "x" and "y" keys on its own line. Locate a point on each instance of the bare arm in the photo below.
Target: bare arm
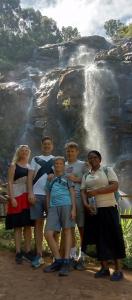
{"x": 47, "y": 200}
{"x": 110, "y": 188}
{"x": 74, "y": 178}
{"x": 11, "y": 173}
{"x": 84, "y": 199}
{"x": 31, "y": 196}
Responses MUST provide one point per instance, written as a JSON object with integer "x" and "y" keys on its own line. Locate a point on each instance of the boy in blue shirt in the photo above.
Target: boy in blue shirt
{"x": 61, "y": 215}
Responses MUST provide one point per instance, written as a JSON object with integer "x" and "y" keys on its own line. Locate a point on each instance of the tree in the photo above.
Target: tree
{"x": 41, "y": 28}
{"x": 69, "y": 33}
{"x": 9, "y": 15}
{"x": 49, "y": 32}
{"x": 126, "y": 31}
{"x": 112, "y": 27}
{"x": 31, "y": 19}
{"x": 21, "y": 30}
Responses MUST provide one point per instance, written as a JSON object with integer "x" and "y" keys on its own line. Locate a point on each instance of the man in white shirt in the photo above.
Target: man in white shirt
{"x": 40, "y": 167}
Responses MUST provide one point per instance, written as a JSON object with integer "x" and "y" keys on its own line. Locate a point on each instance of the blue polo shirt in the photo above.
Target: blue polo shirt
{"x": 59, "y": 189}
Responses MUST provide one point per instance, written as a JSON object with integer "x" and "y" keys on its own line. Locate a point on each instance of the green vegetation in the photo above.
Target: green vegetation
{"x": 7, "y": 240}
{"x": 22, "y": 30}
{"x": 112, "y": 27}
{"x": 69, "y": 32}
{"x": 127, "y": 230}
{"x": 116, "y": 29}
{"x": 126, "y": 31}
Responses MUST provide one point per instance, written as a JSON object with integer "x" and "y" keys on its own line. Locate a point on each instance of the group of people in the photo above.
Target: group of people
{"x": 66, "y": 194}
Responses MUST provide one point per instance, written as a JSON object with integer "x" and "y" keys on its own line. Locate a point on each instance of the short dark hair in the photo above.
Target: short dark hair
{"x": 44, "y": 138}
{"x": 96, "y": 153}
{"x": 71, "y": 145}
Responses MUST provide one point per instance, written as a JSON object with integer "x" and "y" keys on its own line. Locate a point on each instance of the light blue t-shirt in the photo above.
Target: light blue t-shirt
{"x": 59, "y": 191}
{"x": 77, "y": 168}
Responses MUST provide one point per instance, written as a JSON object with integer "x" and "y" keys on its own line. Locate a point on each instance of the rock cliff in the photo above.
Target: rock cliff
{"x": 78, "y": 90}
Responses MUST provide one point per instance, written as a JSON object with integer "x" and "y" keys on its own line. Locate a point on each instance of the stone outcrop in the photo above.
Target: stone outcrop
{"x": 120, "y": 52}
{"x": 48, "y": 98}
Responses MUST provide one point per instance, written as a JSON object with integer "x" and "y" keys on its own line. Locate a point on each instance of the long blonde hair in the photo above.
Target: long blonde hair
{"x": 16, "y": 156}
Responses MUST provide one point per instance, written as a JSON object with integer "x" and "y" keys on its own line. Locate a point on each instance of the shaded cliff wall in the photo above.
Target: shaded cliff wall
{"x": 48, "y": 98}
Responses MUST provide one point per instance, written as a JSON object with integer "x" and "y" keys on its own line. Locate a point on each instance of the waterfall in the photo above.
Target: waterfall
{"x": 91, "y": 109}
{"x": 61, "y": 56}
{"x": 30, "y": 84}
{"x": 83, "y": 56}
{"x": 98, "y": 83}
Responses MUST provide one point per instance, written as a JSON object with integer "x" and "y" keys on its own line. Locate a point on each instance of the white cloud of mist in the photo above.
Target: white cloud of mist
{"x": 87, "y": 15}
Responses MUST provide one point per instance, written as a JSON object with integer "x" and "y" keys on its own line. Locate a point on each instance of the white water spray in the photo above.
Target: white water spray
{"x": 61, "y": 56}
{"x": 97, "y": 81}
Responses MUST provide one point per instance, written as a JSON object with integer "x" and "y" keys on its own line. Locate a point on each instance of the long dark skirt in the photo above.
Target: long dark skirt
{"x": 110, "y": 243}
{"x": 90, "y": 235}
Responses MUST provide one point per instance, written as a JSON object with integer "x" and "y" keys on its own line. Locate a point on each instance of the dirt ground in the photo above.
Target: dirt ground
{"x": 20, "y": 282}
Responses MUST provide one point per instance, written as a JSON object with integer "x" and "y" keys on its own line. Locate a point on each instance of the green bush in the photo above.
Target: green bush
{"x": 127, "y": 231}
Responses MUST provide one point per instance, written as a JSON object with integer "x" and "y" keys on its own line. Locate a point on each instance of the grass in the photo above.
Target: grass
{"x": 7, "y": 240}
{"x": 127, "y": 231}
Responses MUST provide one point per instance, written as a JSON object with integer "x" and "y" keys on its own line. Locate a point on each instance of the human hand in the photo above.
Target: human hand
{"x": 73, "y": 214}
{"x": 91, "y": 193}
{"x": 13, "y": 202}
{"x": 31, "y": 198}
{"x": 89, "y": 208}
{"x": 73, "y": 178}
{"x": 50, "y": 177}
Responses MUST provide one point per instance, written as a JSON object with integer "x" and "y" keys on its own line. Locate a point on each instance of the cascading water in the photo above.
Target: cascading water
{"x": 30, "y": 84}
{"x": 97, "y": 81}
{"x": 91, "y": 109}
{"x": 81, "y": 57}
{"x": 61, "y": 56}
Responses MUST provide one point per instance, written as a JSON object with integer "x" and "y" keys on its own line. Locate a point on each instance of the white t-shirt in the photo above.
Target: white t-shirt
{"x": 39, "y": 186}
{"x": 97, "y": 180}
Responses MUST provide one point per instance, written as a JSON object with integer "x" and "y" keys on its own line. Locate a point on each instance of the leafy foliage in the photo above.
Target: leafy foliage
{"x": 69, "y": 32}
{"x": 21, "y": 30}
{"x": 117, "y": 29}
{"x": 112, "y": 27}
{"x": 127, "y": 231}
{"x": 126, "y": 31}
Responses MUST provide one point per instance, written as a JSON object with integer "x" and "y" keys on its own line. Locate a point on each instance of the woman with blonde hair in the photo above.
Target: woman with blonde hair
{"x": 18, "y": 213}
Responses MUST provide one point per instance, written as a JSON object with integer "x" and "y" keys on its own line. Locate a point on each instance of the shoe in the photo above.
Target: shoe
{"x": 116, "y": 276}
{"x": 65, "y": 269}
{"x": 18, "y": 258}
{"x": 37, "y": 261}
{"x": 72, "y": 264}
{"x": 80, "y": 265}
{"x": 55, "y": 266}
{"x": 28, "y": 256}
{"x": 102, "y": 273}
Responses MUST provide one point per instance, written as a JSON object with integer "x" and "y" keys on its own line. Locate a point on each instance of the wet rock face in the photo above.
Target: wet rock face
{"x": 120, "y": 52}
{"x": 48, "y": 99}
{"x": 13, "y": 103}
{"x": 123, "y": 167}
{"x": 59, "y": 110}
{"x": 50, "y": 55}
